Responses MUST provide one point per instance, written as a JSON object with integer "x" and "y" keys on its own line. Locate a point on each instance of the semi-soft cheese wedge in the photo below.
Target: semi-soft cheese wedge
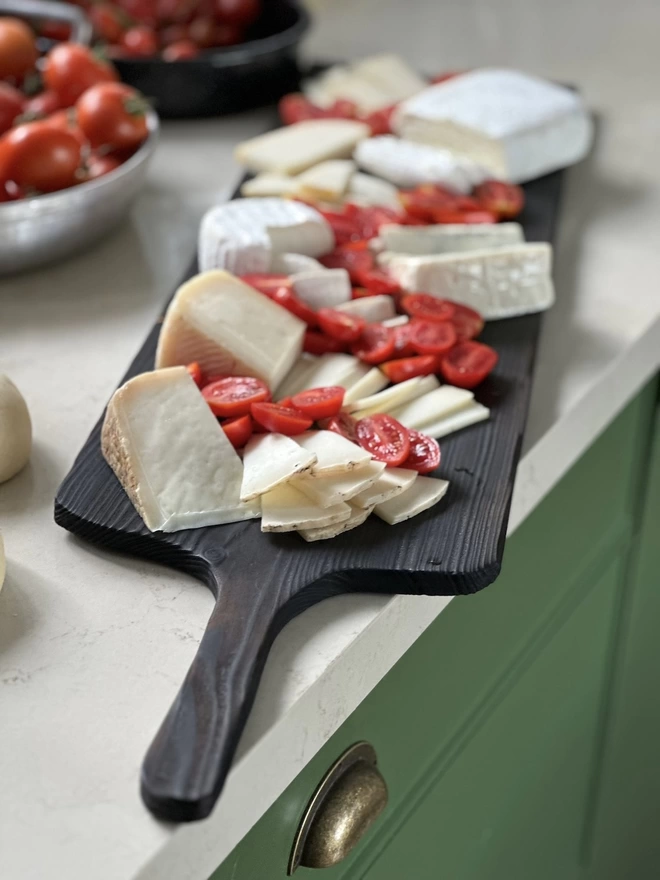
{"x": 370, "y": 383}
{"x": 422, "y": 494}
{"x": 294, "y": 381}
{"x": 327, "y": 181}
{"x": 289, "y": 264}
{"x": 334, "y": 369}
{"x": 171, "y": 455}
{"x": 322, "y": 288}
{"x": 392, "y": 482}
{"x": 286, "y": 509}
{"x": 335, "y": 454}
{"x": 357, "y": 516}
{"x": 333, "y": 488}
{"x": 463, "y": 418}
{"x": 371, "y": 84}
{"x": 271, "y": 459}
{"x": 390, "y": 74}
{"x": 430, "y": 408}
{"x": 371, "y": 308}
{"x": 365, "y": 190}
{"x": 447, "y": 238}
{"x": 294, "y": 148}
{"x": 394, "y": 396}
{"x": 269, "y": 183}
{"x": 498, "y": 283}
{"x": 230, "y": 329}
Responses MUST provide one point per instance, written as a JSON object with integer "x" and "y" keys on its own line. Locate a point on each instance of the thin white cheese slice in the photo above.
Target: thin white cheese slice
{"x": 341, "y": 83}
{"x": 230, "y": 329}
{"x": 335, "y": 454}
{"x": 392, "y": 482}
{"x": 271, "y": 459}
{"x": 294, "y": 381}
{"x": 171, "y": 455}
{"x": 327, "y": 181}
{"x": 392, "y": 397}
{"x": 391, "y": 75}
{"x": 289, "y": 264}
{"x": 463, "y": 418}
{"x": 294, "y": 148}
{"x": 370, "y": 383}
{"x": 498, "y": 283}
{"x": 432, "y": 407}
{"x": 365, "y": 190}
{"x": 333, "y": 488}
{"x": 334, "y": 369}
{"x": 422, "y": 494}
{"x": 269, "y": 183}
{"x": 286, "y": 509}
{"x": 396, "y": 321}
{"x": 447, "y": 238}
{"x": 322, "y": 288}
{"x": 357, "y": 516}
{"x": 371, "y": 308}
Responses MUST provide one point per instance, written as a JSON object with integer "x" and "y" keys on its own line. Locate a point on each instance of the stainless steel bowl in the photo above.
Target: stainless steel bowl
{"x": 45, "y": 228}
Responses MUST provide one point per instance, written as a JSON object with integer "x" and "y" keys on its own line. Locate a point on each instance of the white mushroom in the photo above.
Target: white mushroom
{"x": 15, "y": 430}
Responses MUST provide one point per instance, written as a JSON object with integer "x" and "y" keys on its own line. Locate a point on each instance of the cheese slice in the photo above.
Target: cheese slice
{"x": 327, "y": 181}
{"x": 432, "y": 407}
{"x": 391, "y": 75}
{"x": 294, "y": 381}
{"x": 294, "y": 148}
{"x": 334, "y": 369}
{"x": 357, "y": 516}
{"x": 333, "y": 488}
{"x": 170, "y": 454}
{"x": 392, "y": 397}
{"x": 269, "y": 183}
{"x": 365, "y": 190}
{"x": 335, "y": 454}
{"x": 322, "y": 288}
{"x": 447, "y": 238}
{"x": 371, "y": 382}
{"x": 422, "y": 494}
{"x": 392, "y": 482}
{"x": 372, "y": 308}
{"x": 498, "y": 283}
{"x": 405, "y": 163}
{"x": 520, "y": 125}
{"x": 244, "y": 235}
{"x": 286, "y": 509}
{"x": 271, "y": 459}
{"x": 230, "y": 329}
{"x": 396, "y": 321}
{"x": 289, "y": 264}
{"x": 469, "y": 415}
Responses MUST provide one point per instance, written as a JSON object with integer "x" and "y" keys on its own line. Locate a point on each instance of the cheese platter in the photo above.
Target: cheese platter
{"x": 338, "y": 486}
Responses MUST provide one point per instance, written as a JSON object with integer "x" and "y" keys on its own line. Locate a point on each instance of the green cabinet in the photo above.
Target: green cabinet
{"x": 503, "y": 733}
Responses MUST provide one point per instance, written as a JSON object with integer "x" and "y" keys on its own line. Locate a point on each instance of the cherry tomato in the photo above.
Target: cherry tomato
{"x": 351, "y": 258}
{"x": 234, "y": 395}
{"x": 345, "y": 228}
{"x": 427, "y": 307}
{"x": 286, "y": 401}
{"x": 38, "y": 157}
{"x": 11, "y": 105}
{"x": 180, "y": 51}
{"x": 342, "y": 108}
{"x": 243, "y": 12}
{"x": 421, "y": 204}
{"x": 375, "y": 345}
{"x": 43, "y": 104}
{"x": 280, "y": 419}
{"x": 266, "y": 282}
{"x": 468, "y": 363}
{"x": 376, "y": 281}
{"x": 409, "y": 367}
{"x": 385, "y": 438}
{"x": 176, "y": 11}
{"x": 295, "y": 107}
{"x": 319, "y": 403}
{"x": 97, "y": 165}
{"x": 319, "y": 343}
{"x": 113, "y": 115}
{"x": 10, "y": 192}
{"x": 505, "y": 200}
{"x": 450, "y": 216}
{"x": 424, "y": 454}
{"x": 342, "y": 424}
{"x": 341, "y": 325}
{"x": 402, "y": 345}
{"x": 108, "y": 22}
{"x": 380, "y": 121}
{"x": 201, "y": 31}
{"x": 71, "y": 69}
{"x": 369, "y": 219}
{"x": 196, "y": 372}
{"x": 59, "y": 31}
{"x": 142, "y": 11}
{"x": 18, "y": 49}
{"x": 174, "y": 33}
{"x": 139, "y": 41}
{"x": 238, "y": 430}
{"x": 66, "y": 120}
{"x": 467, "y": 323}
{"x": 226, "y": 34}
{"x": 286, "y": 298}
{"x": 432, "y": 337}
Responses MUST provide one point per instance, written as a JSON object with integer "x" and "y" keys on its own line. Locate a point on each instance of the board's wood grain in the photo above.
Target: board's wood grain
{"x": 261, "y": 581}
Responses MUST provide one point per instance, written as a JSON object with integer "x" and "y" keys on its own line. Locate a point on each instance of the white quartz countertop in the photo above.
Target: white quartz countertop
{"x": 93, "y": 647}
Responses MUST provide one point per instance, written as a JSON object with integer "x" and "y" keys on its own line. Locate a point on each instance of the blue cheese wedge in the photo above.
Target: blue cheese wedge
{"x": 447, "y": 238}
{"x": 230, "y": 329}
{"x": 170, "y": 454}
{"x": 287, "y": 509}
{"x": 420, "y": 496}
{"x": 271, "y": 459}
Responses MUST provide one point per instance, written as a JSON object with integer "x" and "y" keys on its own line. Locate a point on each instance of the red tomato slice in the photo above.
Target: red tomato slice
{"x": 432, "y": 337}
{"x": 319, "y": 403}
{"x": 467, "y": 322}
{"x": 505, "y": 200}
{"x": 266, "y": 282}
{"x": 280, "y": 419}
{"x": 449, "y": 216}
{"x": 344, "y": 227}
{"x": 342, "y": 108}
{"x": 361, "y": 244}
{"x": 375, "y": 345}
{"x": 319, "y": 343}
{"x": 427, "y": 307}
{"x": 233, "y": 395}
{"x": 286, "y": 401}
{"x": 342, "y": 424}
{"x": 409, "y": 367}
{"x": 349, "y": 257}
{"x": 238, "y": 430}
{"x": 376, "y": 281}
{"x": 468, "y": 363}
{"x": 297, "y": 108}
{"x": 361, "y": 292}
{"x": 385, "y": 438}
{"x": 424, "y": 453}
{"x": 286, "y": 298}
{"x": 380, "y": 121}
{"x": 372, "y": 217}
{"x": 341, "y": 325}
{"x": 402, "y": 344}
{"x": 196, "y": 372}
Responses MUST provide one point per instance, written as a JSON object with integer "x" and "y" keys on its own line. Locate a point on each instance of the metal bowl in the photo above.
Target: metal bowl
{"x": 44, "y": 228}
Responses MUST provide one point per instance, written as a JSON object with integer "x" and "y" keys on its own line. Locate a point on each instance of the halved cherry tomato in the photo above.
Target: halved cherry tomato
{"x": 427, "y": 307}
{"x": 180, "y": 50}
{"x": 11, "y": 105}
{"x": 370, "y": 218}
{"x": 296, "y": 107}
{"x": 196, "y": 372}
{"x": 266, "y": 282}
{"x": 350, "y": 257}
{"x": 319, "y": 403}
{"x": 376, "y": 281}
{"x": 505, "y": 200}
{"x": 238, "y": 430}
{"x": 407, "y": 368}
{"x": 424, "y": 453}
{"x": 468, "y": 363}
{"x": 239, "y": 12}
{"x": 280, "y": 419}
{"x": 361, "y": 292}
{"x": 385, "y": 438}
{"x": 432, "y": 337}
{"x": 341, "y": 325}
{"x": 450, "y": 216}
{"x": 343, "y": 424}
{"x": 71, "y": 69}
{"x": 402, "y": 345}
{"x": 345, "y": 228}
{"x": 467, "y": 322}
{"x": 286, "y": 298}
{"x": 286, "y": 401}
{"x": 108, "y": 22}
{"x": 342, "y": 108}
{"x": 375, "y": 345}
{"x": 318, "y": 343}
{"x": 380, "y": 121}
{"x": 234, "y": 395}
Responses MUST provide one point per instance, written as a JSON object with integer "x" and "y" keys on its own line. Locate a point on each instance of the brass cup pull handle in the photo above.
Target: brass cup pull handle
{"x": 348, "y": 801}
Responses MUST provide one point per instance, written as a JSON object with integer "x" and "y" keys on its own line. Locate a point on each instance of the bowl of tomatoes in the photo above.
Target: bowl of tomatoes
{"x": 73, "y": 154}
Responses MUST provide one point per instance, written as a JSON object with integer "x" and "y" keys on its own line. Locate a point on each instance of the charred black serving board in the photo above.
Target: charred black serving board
{"x": 261, "y": 581}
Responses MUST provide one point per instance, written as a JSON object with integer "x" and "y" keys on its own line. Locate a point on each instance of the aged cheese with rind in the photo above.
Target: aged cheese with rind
{"x": 327, "y": 181}
{"x": 335, "y": 454}
{"x": 286, "y": 509}
{"x": 358, "y": 515}
{"x": 447, "y": 238}
{"x": 420, "y": 496}
{"x": 333, "y": 488}
{"x": 271, "y": 459}
{"x": 392, "y": 482}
